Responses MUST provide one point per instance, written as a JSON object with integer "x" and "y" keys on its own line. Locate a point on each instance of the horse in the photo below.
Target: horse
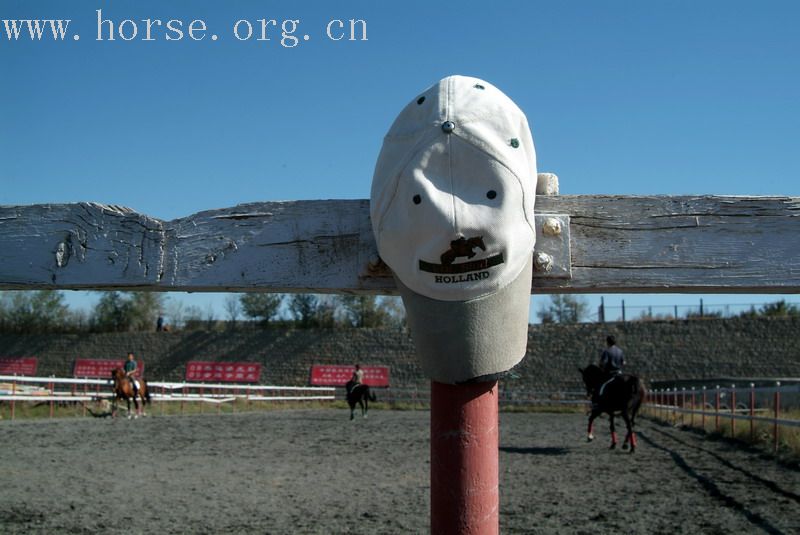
{"x": 361, "y": 394}
{"x": 123, "y": 389}
{"x": 622, "y": 394}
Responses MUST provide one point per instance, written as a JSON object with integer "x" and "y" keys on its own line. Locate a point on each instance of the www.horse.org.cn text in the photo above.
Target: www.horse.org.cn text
{"x": 286, "y": 33}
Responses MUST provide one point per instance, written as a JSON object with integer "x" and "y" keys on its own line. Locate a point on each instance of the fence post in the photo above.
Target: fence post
{"x": 52, "y": 393}
{"x": 703, "y": 414}
{"x": 85, "y": 394}
{"x": 693, "y": 407}
{"x": 13, "y": 394}
{"x": 733, "y": 411}
{"x": 752, "y": 411}
{"x": 716, "y": 412}
{"x": 776, "y": 430}
{"x": 163, "y": 399}
{"x": 465, "y": 496}
{"x": 683, "y": 405}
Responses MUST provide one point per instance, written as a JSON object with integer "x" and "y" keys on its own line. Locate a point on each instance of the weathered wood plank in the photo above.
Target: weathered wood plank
{"x": 618, "y": 244}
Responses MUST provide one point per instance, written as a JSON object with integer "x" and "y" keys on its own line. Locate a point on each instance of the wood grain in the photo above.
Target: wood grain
{"x": 617, "y": 244}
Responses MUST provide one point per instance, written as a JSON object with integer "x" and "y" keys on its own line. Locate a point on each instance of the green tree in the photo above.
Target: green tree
{"x": 135, "y": 311}
{"x": 34, "y": 311}
{"x": 779, "y": 309}
{"x": 564, "y": 309}
{"x": 304, "y": 309}
{"x": 261, "y": 306}
{"x": 364, "y": 311}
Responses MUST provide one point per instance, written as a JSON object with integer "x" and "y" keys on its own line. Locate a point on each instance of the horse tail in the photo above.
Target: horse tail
{"x": 371, "y": 395}
{"x": 639, "y": 391}
{"x": 147, "y": 394}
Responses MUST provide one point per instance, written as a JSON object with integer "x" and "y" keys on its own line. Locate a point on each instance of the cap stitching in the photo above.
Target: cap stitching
{"x": 449, "y": 94}
{"x": 511, "y": 171}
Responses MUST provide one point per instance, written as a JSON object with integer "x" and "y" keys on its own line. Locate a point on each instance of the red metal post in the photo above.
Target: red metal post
{"x": 752, "y": 411}
{"x": 13, "y": 393}
{"x": 776, "y": 430}
{"x": 683, "y": 404}
{"x": 465, "y": 498}
{"x": 52, "y": 393}
{"x": 733, "y": 411}
{"x": 703, "y": 415}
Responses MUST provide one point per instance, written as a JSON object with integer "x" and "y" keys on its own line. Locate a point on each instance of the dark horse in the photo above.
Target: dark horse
{"x": 622, "y": 394}
{"x": 361, "y": 394}
{"x": 123, "y": 389}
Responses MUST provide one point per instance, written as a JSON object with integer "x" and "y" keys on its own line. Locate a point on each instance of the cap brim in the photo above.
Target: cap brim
{"x": 461, "y": 341}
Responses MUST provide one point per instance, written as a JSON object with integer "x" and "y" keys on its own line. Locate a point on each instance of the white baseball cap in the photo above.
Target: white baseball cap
{"x": 452, "y": 211}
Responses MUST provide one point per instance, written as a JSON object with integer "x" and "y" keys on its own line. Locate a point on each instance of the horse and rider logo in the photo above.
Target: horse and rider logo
{"x": 462, "y": 247}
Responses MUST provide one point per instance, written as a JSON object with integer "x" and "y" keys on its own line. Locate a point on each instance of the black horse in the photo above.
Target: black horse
{"x": 622, "y": 394}
{"x": 360, "y": 394}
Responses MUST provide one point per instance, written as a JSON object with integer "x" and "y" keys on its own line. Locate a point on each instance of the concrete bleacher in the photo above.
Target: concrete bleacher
{"x": 657, "y": 350}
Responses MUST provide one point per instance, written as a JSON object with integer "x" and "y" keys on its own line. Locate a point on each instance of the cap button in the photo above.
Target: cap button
{"x": 448, "y": 126}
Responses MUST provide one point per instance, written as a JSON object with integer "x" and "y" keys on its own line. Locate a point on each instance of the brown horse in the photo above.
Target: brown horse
{"x": 123, "y": 389}
{"x": 620, "y": 394}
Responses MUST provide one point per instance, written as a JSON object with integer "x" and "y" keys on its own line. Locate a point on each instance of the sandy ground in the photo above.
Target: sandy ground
{"x": 313, "y": 471}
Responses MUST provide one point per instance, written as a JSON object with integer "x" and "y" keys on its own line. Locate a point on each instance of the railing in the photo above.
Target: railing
{"x": 421, "y": 396}
{"x": 55, "y": 390}
{"x": 721, "y": 408}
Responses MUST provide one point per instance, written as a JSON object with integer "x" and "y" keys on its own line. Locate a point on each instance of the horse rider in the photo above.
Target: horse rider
{"x": 131, "y": 371}
{"x": 612, "y": 360}
{"x": 358, "y": 376}
{"x": 356, "y": 379}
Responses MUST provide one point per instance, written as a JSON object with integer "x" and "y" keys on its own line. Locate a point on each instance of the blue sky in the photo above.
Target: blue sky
{"x": 679, "y": 97}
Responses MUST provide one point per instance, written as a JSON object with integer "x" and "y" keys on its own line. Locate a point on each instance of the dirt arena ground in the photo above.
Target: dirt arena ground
{"x": 313, "y": 471}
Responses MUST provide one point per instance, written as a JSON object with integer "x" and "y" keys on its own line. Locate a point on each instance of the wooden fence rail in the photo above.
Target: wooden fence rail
{"x": 600, "y": 244}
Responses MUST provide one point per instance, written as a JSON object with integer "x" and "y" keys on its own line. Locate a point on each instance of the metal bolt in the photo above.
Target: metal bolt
{"x": 543, "y": 262}
{"x": 551, "y": 227}
{"x": 448, "y": 127}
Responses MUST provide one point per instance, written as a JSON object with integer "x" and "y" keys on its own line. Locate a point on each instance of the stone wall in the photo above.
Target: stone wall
{"x": 659, "y": 350}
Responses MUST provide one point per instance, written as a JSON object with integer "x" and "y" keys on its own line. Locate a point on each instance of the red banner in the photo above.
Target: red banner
{"x": 338, "y": 375}
{"x": 18, "y": 365}
{"x": 100, "y": 368}
{"x": 229, "y": 372}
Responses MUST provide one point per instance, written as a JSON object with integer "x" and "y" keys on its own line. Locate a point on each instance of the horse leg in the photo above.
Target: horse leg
{"x": 613, "y": 429}
{"x": 630, "y": 437}
{"x": 592, "y": 416}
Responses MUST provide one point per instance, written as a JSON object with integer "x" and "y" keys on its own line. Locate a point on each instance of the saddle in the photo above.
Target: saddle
{"x": 602, "y": 388}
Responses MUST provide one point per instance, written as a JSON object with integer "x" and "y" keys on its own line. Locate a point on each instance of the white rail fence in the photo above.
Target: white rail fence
{"x": 720, "y": 408}
{"x": 54, "y": 390}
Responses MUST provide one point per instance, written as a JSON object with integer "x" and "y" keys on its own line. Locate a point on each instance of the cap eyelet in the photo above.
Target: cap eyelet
{"x": 448, "y": 127}
{"x": 514, "y": 142}
{"x": 478, "y": 86}
{"x": 417, "y": 199}
{"x": 491, "y": 194}
{"x": 420, "y": 100}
